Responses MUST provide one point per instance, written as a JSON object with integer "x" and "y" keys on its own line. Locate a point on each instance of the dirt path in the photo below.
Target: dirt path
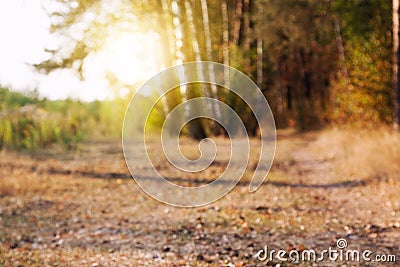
{"x": 84, "y": 210}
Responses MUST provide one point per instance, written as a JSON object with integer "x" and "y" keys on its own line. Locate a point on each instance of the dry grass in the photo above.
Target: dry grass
{"x": 85, "y": 211}
{"x": 13, "y": 182}
{"x": 361, "y": 153}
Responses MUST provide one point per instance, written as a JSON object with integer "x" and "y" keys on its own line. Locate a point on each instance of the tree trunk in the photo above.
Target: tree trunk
{"x": 197, "y": 126}
{"x": 247, "y": 63}
{"x": 237, "y": 22}
{"x": 340, "y": 47}
{"x": 178, "y": 31}
{"x": 213, "y": 92}
{"x": 259, "y": 63}
{"x": 246, "y": 26}
{"x": 279, "y": 93}
{"x": 193, "y": 32}
{"x": 207, "y": 33}
{"x": 168, "y": 34}
{"x": 225, "y": 40}
{"x": 396, "y": 63}
{"x": 173, "y": 98}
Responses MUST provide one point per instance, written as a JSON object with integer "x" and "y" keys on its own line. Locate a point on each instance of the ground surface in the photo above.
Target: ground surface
{"x": 83, "y": 209}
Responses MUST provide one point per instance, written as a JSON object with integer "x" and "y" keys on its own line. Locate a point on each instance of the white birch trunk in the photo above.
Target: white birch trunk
{"x": 225, "y": 40}
{"x": 340, "y": 47}
{"x": 206, "y": 22}
{"x": 259, "y": 63}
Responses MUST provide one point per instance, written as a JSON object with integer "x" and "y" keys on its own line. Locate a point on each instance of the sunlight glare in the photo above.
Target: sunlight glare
{"x": 130, "y": 57}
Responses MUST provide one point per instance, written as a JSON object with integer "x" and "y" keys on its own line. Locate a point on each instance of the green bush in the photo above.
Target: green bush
{"x": 27, "y": 122}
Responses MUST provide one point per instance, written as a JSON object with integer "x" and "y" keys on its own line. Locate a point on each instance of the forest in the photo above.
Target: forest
{"x": 316, "y": 62}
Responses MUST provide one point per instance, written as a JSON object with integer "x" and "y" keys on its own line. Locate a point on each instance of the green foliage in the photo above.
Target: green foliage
{"x": 16, "y": 99}
{"x": 364, "y": 97}
{"x": 30, "y": 123}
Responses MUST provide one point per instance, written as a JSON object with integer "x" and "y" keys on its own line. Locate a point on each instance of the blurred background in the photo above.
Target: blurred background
{"x": 68, "y": 69}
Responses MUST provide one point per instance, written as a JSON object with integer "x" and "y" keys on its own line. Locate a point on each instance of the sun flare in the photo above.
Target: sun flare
{"x": 126, "y": 59}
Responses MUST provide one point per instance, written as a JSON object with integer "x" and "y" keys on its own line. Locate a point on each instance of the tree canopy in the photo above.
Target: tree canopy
{"x": 316, "y": 61}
